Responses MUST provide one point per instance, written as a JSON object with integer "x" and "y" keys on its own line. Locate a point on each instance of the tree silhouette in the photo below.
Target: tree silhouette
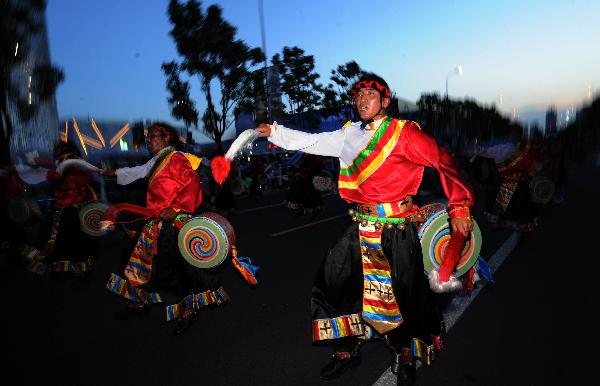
{"x": 211, "y": 51}
{"x": 336, "y": 98}
{"x": 182, "y": 107}
{"x": 19, "y": 21}
{"x": 299, "y": 81}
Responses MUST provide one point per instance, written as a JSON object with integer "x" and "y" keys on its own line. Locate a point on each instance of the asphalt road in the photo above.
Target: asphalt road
{"x": 532, "y": 327}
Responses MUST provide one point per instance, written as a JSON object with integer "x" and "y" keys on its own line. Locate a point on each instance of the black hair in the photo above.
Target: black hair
{"x": 65, "y": 150}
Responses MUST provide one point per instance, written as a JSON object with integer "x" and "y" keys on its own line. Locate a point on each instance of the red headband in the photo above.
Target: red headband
{"x": 384, "y": 90}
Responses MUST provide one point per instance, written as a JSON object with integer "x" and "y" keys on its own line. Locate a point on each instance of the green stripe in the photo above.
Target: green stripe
{"x": 368, "y": 150}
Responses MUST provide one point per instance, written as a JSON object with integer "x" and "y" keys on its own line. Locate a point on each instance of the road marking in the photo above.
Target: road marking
{"x": 306, "y": 225}
{"x": 461, "y": 301}
{"x": 272, "y": 205}
{"x": 258, "y": 208}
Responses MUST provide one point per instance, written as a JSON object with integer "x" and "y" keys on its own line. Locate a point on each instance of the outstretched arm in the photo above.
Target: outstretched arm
{"x": 325, "y": 144}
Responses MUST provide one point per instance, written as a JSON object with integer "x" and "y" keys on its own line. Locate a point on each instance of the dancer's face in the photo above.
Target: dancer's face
{"x": 156, "y": 141}
{"x": 369, "y": 104}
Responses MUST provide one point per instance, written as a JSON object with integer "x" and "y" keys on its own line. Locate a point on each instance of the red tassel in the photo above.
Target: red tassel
{"x": 220, "y": 169}
{"x": 452, "y": 255}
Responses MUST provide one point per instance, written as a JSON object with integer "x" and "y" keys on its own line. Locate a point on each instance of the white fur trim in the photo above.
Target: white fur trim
{"x": 453, "y": 284}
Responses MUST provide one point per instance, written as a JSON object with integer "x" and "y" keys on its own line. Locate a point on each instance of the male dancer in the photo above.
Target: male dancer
{"x": 174, "y": 194}
{"x": 372, "y": 282}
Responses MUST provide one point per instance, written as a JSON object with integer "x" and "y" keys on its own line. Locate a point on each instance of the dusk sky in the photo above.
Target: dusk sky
{"x": 533, "y": 53}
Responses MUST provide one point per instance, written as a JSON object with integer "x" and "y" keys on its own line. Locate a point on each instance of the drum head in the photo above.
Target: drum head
{"x": 435, "y": 236}
{"x": 90, "y": 216}
{"x": 541, "y": 189}
{"x": 206, "y": 240}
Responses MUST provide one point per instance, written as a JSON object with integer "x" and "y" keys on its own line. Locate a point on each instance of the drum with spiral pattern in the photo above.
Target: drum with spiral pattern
{"x": 541, "y": 189}
{"x": 90, "y": 216}
{"x": 434, "y": 234}
{"x": 206, "y": 240}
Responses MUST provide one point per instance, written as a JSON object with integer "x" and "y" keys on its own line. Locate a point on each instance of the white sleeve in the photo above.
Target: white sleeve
{"x": 325, "y": 144}
{"x": 126, "y": 176}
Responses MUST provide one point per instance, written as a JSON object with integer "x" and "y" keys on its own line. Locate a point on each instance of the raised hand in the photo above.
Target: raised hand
{"x": 264, "y": 129}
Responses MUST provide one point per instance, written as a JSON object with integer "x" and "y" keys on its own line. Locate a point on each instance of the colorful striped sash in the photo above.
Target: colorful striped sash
{"x": 373, "y": 155}
{"x": 139, "y": 267}
{"x": 341, "y": 327}
{"x": 122, "y": 287}
{"x": 380, "y": 309}
{"x": 505, "y": 193}
{"x": 194, "y": 302}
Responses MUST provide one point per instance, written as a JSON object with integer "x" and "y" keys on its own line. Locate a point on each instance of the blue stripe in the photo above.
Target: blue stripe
{"x": 378, "y": 279}
{"x": 381, "y": 317}
{"x": 139, "y": 266}
{"x": 170, "y": 314}
{"x": 146, "y": 243}
{"x": 334, "y": 327}
{"x": 133, "y": 293}
{"x": 380, "y": 210}
{"x": 370, "y": 245}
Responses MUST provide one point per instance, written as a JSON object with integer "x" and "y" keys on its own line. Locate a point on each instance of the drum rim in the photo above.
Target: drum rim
{"x": 428, "y": 264}
{"x": 192, "y": 260}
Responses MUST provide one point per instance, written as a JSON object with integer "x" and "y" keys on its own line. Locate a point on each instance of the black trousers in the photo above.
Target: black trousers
{"x": 172, "y": 273}
{"x": 338, "y": 288}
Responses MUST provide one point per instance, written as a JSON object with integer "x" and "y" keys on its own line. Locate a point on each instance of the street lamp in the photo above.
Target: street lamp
{"x": 458, "y": 70}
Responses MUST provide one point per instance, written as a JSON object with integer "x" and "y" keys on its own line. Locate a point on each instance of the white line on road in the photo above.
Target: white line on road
{"x": 307, "y": 225}
{"x": 272, "y": 205}
{"x": 462, "y": 300}
{"x": 259, "y": 208}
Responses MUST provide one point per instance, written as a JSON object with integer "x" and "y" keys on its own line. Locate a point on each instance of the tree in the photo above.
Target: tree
{"x": 211, "y": 51}
{"x": 299, "y": 81}
{"x": 337, "y": 95}
{"x": 182, "y": 107}
{"x": 19, "y": 20}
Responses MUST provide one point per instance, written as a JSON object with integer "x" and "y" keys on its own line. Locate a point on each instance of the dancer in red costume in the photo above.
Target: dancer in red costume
{"x": 174, "y": 194}
{"x": 68, "y": 248}
{"x": 371, "y": 283}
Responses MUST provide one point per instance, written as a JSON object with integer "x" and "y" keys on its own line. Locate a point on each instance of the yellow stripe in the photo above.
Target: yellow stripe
{"x": 160, "y": 167}
{"x": 379, "y": 272}
{"x": 372, "y": 240}
{"x": 381, "y": 311}
{"x": 377, "y": 162}
{"x": 341, "y": 327}
{"x": 387, "y": 207}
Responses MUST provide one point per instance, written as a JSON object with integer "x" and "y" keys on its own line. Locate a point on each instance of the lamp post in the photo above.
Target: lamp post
{"x": 458, "y": 70}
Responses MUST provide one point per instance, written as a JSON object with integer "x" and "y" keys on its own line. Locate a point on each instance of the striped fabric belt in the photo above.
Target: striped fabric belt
{"x": 139, "y": 266}
{"x": 387, "y": 209}
{"x": 380, "y": 309}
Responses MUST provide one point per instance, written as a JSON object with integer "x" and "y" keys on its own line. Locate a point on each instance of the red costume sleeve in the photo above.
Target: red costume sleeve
{"x": 176, "y": 186}
{"x": 71, "y": 187}
{"x": 420, "y": 148}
